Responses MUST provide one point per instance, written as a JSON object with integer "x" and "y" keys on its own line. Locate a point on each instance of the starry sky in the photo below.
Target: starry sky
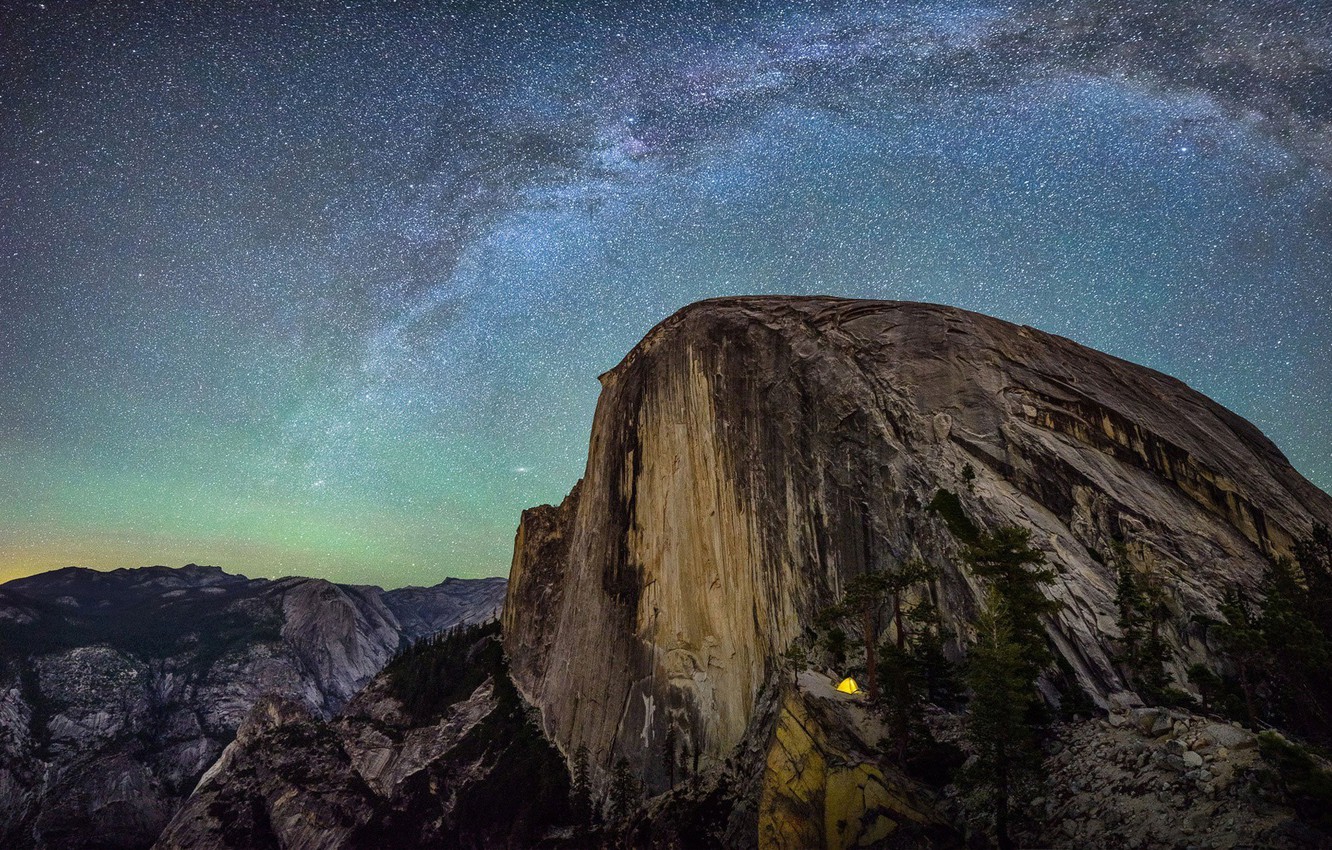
{"x": 324, "y": 288}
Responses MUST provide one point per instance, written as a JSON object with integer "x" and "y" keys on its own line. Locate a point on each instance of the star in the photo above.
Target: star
{"x": 388, "y": 248}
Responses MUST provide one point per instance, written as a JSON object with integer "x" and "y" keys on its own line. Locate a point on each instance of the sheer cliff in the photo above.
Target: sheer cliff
{"x": 751, "y": 455}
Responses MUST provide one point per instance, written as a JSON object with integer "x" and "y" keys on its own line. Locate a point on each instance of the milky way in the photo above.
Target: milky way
{"x": 325, "y": 288}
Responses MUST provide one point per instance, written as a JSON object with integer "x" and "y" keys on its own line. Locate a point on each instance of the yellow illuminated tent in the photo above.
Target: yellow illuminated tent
{"x": 849, "y": 686}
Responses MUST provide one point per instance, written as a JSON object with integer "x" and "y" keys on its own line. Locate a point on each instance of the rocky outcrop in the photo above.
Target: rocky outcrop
{"x": 808, "y": 772}
{"x": 751, "y": 455}
{"x": 118, "y": 689}
{"x": 469, "y": 773}
{"x": 284, "y": 782}
{"x": 823, "y": 783}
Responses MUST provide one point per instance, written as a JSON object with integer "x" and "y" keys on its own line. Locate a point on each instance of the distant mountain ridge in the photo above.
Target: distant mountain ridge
{"x": 119, "y": 688}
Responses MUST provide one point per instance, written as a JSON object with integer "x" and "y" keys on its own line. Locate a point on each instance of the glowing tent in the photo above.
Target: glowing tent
{"x": 849, "y": 686}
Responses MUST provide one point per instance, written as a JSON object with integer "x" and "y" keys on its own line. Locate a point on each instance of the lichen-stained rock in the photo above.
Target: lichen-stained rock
{"x": 751, "y": 455}
{"x": 821, "y": 789}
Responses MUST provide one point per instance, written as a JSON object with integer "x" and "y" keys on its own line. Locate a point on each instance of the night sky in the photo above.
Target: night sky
{"x": 324, "y": 289}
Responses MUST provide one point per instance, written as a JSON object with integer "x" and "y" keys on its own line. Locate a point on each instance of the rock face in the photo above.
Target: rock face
{"x": 118, "y": 689}
{"x": 820, "y": 787}
{"x": 751, "y": 455}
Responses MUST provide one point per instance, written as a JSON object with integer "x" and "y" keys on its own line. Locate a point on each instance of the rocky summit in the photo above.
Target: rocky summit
{"x": 752, "y": 456}
{"x": 119, "y": 689}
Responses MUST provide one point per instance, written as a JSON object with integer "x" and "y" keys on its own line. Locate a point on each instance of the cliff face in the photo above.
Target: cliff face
{"x": 117, "y": 690}
{"x": 751, "y": 455}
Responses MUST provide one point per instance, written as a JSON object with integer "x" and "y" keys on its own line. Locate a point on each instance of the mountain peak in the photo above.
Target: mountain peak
{"x": 752, "y": 455}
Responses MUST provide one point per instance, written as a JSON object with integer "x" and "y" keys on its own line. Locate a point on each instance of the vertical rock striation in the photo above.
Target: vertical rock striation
{"x": 751, "y": 455}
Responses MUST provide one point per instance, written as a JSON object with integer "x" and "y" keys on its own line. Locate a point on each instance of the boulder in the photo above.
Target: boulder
{"x": 1229, "y": 737}
{"x": 1151, "y": 721}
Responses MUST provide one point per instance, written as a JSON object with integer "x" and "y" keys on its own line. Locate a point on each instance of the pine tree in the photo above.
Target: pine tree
{"x": 1142, "y": 613}
{"x": 1131, "y": 604}
{"x": 902, "y": 703}
{"x": 1242, "y": 640}
{"x": 1018, "y": 572}
{"x": 1206, "y": 681}
{"x": 998, "y": 673}
{"x": 580, "y": 788}
{"x": 1279, "y": 643}
{"x": 861, "y": 605}
{"x": 669, "y": 753}
{"x": 897, "y": 583}
{"x": 625, "y": 792}
{"x": 938, "y": 675}
{"x": 906, "y": 665}
{"x": 864, "y": 597}
{"x": 914, "y": 670}
{"x": 834, "y": 641}
{"x": 1299, "y": 654}
{"x": 1314, "y": 557}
